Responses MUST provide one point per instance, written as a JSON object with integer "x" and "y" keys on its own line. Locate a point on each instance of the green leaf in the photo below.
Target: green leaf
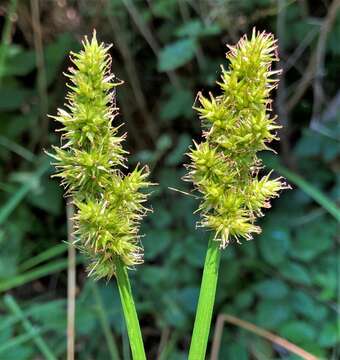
{"x": 155, "y": 243}
{"x": 274, "y": 244}
{"x": 164, "y": 8}
{"x": 176, "y": 156}
{"x": 48, "y": 197}
{"x": 56, "y": 52}
{"x": 187, "y": 298}
{"x": 329, "y": 335}
{"x": 190, "y": 28}
{"x": 160, "y": 218}
{"x": 308, "y": 145}
{"x": 176, "y": 54}
{"x": 230, "y": 272}
{"x": 234, "y": 351}
{"x": 12, "y": 98}
{"x": 170, "y": 178}
{"x": 194, "y": 251}
{"x": 298, "y": 331}
{"x": 195, "y": 28}
{"x": 271, "y": 289}
{"x": 327, "y": 280}
{"x": 270, "y": 314}
{"x": 314, "y": 239}
{"x": 85, "y": 320}
{"x": 153, "y": 275}
{"x": 174, "y": 313}
{"x": 178, "y": 105}
{"x": 303, "y": 304}
{"x": 18, "y": 62}
{"x": 163, "y": 143}
{"x": 312, "y": 144}
{"x": 244, "y": 299}
{"x": 296, "y": 272}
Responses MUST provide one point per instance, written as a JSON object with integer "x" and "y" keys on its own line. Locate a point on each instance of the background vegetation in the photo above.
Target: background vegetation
{"x": 285, "y": 280}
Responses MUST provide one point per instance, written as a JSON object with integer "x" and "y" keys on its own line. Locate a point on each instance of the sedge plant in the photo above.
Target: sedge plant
{"x": 225, "y": 167}
{"x": 108, "y": 204}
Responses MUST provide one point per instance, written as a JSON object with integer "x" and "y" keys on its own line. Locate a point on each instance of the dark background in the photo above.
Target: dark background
{"x": 166, "y": 51}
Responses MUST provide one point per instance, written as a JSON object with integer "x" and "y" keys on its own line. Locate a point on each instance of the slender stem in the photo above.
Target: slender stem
{"x": 31, "y": 275}
{"x": 41, "y": 71}
{"x": 200, "y": 335}
{"x": 71, "y": 281}
{"x": 6, "y": 37}
{"x": 130, "y": 314}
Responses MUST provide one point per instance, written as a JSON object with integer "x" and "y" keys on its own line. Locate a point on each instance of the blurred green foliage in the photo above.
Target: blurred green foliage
{"x": 285, "y": 280}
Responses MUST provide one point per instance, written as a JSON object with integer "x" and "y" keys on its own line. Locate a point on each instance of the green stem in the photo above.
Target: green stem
{"x": 130, "y": 314}
{"x": 200, "y": 335}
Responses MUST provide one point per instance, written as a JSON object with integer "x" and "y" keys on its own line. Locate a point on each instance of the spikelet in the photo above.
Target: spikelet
{"x": 237, "y": 125}
{"x": 109, "y": 205}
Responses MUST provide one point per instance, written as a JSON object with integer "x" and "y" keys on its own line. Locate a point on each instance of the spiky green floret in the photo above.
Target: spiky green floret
{"x": 109, "y": 205}
{"x": 237, "y": 125}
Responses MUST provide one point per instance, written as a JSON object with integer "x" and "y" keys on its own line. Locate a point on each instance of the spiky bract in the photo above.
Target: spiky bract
{"x": 109, "y": 205}
{"x": 225, "y": 167}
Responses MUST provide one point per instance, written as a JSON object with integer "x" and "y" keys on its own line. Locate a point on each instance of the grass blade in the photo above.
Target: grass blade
{"x": 37, "y": 308}
{"x": 14, "y": 201}
{"x": 18, "y": 340}
{"x": 317, "y": 195}
{"x": 39, "y": 341}
{"x": 43, "y": 256}
{"x": 16, "y": 148}
{"x": 35, "y": 274}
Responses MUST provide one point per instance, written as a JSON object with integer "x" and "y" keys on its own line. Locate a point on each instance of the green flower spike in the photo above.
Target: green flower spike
{"x": 109, "y": 205}
{"x": 225, "y": 167}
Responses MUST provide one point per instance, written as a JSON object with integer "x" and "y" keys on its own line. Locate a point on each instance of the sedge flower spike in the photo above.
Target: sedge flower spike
{"x": 225, "y": 167}
{"x": 109, "y": 204}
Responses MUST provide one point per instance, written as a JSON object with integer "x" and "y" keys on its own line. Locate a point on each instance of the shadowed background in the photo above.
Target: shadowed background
{"x": 284, "y": 281}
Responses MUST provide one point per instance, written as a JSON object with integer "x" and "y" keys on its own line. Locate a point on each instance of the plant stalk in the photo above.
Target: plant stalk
{"x": 130, "y": 313}
{"x": 71, "y": 281}
{"x": 200, "y": 335}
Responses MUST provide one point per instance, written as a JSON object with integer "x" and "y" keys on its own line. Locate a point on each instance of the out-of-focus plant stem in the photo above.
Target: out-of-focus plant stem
{"x": 6, "y": 36}
{"x": 41, "y": 74}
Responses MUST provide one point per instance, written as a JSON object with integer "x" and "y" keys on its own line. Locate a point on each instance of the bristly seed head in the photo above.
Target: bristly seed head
{"x": 225, "y": 167}
{"x": 109, "y": 205}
